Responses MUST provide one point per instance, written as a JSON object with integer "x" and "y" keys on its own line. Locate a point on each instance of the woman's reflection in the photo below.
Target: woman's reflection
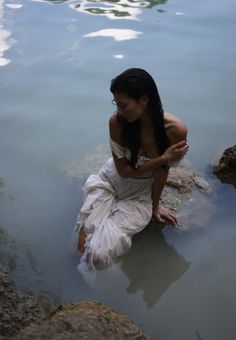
{"x": 152, "y": 265}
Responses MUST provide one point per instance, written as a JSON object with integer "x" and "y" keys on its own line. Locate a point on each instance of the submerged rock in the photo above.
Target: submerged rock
{"x": 182, "y": 184}
{"x": 35, "y": 315}
{"x": 18, "y": 310}
{"x": 184, "y": 179}
{"x": 185, "y": 190}
{"x": 181, "y": 179}
{"x": 27, "y": 317}
{"x": 84, "y": 320}
{"x": 226, "y": 169}
{"x": 90, "y": 163}
{"x": 189, "y": 194}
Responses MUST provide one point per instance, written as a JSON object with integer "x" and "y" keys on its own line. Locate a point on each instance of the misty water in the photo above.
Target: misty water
{"x": 56, "y": 62}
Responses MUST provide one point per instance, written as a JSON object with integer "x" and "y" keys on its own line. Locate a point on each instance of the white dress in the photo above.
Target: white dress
{"x": 114, "y": 210}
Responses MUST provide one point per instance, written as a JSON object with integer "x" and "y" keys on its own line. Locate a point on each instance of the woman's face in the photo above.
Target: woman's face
{"x": 128, "y": 108}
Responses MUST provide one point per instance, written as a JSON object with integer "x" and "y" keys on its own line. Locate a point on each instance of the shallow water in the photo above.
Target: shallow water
{"x": 56, "y": 62}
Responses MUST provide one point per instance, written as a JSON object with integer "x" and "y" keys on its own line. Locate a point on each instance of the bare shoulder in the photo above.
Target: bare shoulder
{"x": 175, "y": 128}
{"x": 115, "y": 128}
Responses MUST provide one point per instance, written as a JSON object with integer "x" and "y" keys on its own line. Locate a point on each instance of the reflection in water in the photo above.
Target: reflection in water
{"x": 14, "y": 6}
{"x": 119, "y": 56}
{"x": 17, "y": 257}
{"x": 4, "y": 35}
{"x": 152, "y": 265}
{"x": 54, "y": 1}
{"x": 113, "y": 9}
{"x": 7, "y": 251}
{"x": 2, "y": 183}
{"x": 116, "y": 33}
{"x": 116, "y": 9}
{"x": 4, "y": 197}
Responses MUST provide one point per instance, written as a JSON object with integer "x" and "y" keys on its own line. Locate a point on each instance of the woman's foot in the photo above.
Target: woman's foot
{"x": 81, "y": 241}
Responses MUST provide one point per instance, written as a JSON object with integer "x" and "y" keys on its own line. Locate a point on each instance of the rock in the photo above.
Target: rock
{"x": 90, "y": 163}
{"x": 226, "y": 169}
{"x": 185, "y": 190}
{"x": 34, "y": 315}
{"x": 201, "y": 183}
{"x": 185, "y": 179}
{"x": 85, "y": 320}
{"x": 181, "y": 179}
{"x": 18, "y": 310}
{"x": 24, "y": 316}
{"x": 182, "y": 183}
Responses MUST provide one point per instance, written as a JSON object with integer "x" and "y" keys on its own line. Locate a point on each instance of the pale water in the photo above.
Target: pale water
{"x": 56, "y": 62}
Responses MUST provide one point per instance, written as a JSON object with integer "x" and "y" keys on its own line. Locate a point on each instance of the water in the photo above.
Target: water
{"x": 56, "y": 63}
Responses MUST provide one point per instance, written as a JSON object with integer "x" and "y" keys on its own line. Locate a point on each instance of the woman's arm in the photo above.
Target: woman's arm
{"x": 176, "y": 133}
{"x": 176, "y": 152}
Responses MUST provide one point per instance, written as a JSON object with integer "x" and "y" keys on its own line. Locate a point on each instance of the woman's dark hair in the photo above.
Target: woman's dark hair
{"x": 134, "y": 83}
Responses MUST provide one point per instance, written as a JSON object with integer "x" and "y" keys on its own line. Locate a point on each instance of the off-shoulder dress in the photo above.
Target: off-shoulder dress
{"x": 114, "y": 210}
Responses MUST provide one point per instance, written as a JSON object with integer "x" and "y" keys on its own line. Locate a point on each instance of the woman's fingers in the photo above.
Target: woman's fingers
{"x": 181, "y": 152}
{"x": 165, "y": 215}
{"x": 184, "y": 150}
{"x": 160, "y": 219}
{"x": 167, "y": 219}
{"x": 171, "y": 219}
{"x": 174, "y": 219}
{"x": 180, "y": 144}
{"x": 177, "y": 151}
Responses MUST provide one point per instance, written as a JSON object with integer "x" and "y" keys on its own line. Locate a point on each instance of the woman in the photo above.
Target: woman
{"x": 125, "y": 195}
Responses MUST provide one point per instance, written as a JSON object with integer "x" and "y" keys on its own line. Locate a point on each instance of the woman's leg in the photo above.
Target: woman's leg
{"x": 81, "y": 240}
{"x": 81, "y": 246}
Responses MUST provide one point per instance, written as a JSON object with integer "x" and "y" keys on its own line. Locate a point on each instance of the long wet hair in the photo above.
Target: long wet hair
{"x": 134, "y": 83}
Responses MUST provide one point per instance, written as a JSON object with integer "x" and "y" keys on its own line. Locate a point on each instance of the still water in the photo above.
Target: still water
{"x": 56, "y": 62}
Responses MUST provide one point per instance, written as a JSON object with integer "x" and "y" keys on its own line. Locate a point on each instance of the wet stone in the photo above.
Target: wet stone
{"x": 84, "y": 320}
{"x": 225, "y": 170}
{"x": 17, "y": 310}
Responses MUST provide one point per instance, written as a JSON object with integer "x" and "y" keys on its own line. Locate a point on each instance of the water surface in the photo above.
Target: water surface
{"x": 56, "y": 62}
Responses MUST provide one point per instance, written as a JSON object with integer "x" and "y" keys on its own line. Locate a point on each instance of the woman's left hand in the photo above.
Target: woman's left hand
{"x": 165, "y": 215}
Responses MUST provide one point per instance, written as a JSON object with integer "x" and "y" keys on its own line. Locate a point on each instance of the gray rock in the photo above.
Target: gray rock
{"x": 182, "y": 184}
{"x": 85, "y": 320}
{"x": 226, "y": 169}
{"x": 18, "y": 310}
{"x": 181, "y": 180}
{"x": 24, "y": 316}
{"x": 34, "y": 315}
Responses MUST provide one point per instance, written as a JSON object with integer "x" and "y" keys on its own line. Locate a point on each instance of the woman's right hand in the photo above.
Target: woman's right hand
{"x": 177, "y": 151}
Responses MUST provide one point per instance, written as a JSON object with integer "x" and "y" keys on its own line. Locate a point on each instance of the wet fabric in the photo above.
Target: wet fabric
{"x": 114, "y": 210}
